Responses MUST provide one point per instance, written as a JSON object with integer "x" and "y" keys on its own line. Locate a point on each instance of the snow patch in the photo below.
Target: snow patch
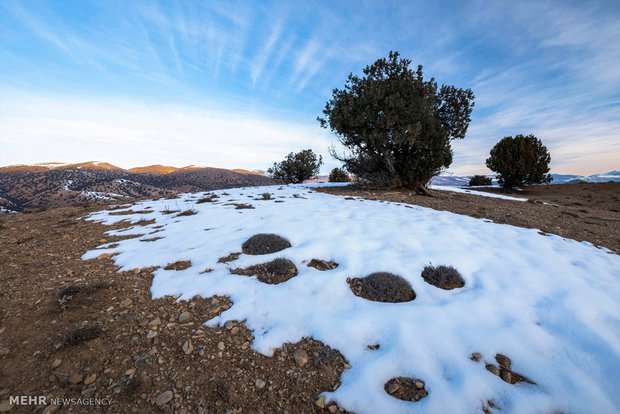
{"x": 552, "y": 305}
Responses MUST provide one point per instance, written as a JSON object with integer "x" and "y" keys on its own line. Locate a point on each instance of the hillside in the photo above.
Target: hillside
{"x": 185, "y": 303}
{"x": 557, "y": 178}
{"x": 56, "y": 185}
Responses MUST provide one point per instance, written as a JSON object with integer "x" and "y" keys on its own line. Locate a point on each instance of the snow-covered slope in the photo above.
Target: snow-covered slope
{"x": 551, "y": 305}
{"x": 457, "y": 180}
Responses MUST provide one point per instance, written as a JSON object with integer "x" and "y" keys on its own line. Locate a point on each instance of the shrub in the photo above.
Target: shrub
{"x": 296, "y": 168}
{"x": 382, "y": 287}
{"x": 443, "y": 277}
{"x": 479, "y": 180}
{"x": 265, "y": 243}
{"x": 338, "y": 175}
{"x": 274, "y": 272}
{"x": 396, "y": 126}
{"x": 519, "y": 161}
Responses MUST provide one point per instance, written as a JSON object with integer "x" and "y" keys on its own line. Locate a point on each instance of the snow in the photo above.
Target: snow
{"x": 100, "y": 195}
{"x": 550, "y": 304}
{"x": 473, "y": 192}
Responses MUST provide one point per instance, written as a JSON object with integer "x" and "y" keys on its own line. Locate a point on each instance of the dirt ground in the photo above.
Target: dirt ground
{"x": 74, "y": 328}
{"x": 585, "y": 212}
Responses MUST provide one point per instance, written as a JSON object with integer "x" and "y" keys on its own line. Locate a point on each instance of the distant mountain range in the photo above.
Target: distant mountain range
{"x": 25, "y": 187}
{"x": 557, "y": 178}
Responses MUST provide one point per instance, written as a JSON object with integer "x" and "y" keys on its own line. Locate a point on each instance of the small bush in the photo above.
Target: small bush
{"x": 188, "y": 212}
{"x": 265, "y": 243}
{"x": 274, "y": 272}
{"x": 266, "y": 196}
{"x": 180, "y": 265}
{"x": 338, "y": 175}
{"x": 477, "y": 180}
{"x": 382, "y": 287}
{"x": 443, "y": 277}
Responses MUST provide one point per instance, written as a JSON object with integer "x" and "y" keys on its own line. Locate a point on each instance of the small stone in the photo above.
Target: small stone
{"x": 476, "y": 356}
{"x": 506, "y": 376}
{"x": 234, "y": 331}
{"x": 130, "y": 371}
{"x": 347, "y": 366}
{"x": 393, "y": 387}
{"x": 332, "y": 408}
{"x": 90, "y": 379}
{"x": 2, "y": 329}
{"x": 136, "y": 270}
{"x": 503, "y": 360}
{"x": 164, "y": 398}
{"x": 228, "y": 325}
{"x": 76, "y": 378}
{"x": 125, "y": 303}
{"x": 188, "y": 347}
{"x": 103, "y": 256}
{"x": 301, "y": 357}
{"x": 64, "y": 383}
{"x": 221, "y": 346}
{"x": 245, "y": 345}
{"x": 260, "y": 384}
{"x": 493, "y": 369}
{"x": 155, "y": 323}
{"x": 142, "y": 360}
{"x": 185, "y": 317}
{"x": 151, "y": 334}
{"x": 418, "y": 384}
{"x": 56, "y": 363}
{"x": 5, "y": 406}
{"x": 320, "y": 402}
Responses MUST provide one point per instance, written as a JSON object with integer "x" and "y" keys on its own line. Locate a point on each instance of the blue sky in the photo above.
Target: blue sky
{"x": 240, "y": 84}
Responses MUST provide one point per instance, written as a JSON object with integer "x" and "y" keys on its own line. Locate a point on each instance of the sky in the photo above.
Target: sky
{"x": 240, "y": 84}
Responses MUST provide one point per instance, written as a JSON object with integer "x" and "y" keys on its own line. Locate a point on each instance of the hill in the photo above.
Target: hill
{"x": 55, "y": 184}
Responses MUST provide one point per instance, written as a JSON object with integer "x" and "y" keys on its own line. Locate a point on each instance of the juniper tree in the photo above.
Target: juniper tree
{"x": 395, "y": 125}
{"x": 296, "y": 168}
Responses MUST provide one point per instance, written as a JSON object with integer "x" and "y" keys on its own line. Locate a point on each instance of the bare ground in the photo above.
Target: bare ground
{"x": 75, "y": 328}
{"x": 585, "y": 212}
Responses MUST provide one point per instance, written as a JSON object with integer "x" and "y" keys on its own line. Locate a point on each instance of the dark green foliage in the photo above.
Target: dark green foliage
{"x": 396, "y": 126}
{"x": 519, "y": 161}
{"x": 479, "y": 180}
{"x": 338, "y": 175}
{"x": 296, "y": 168}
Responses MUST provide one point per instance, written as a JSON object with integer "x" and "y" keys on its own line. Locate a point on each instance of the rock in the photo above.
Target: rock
{"x": 125, "y": 303}
{"x": 320, "y": 402}
{"x": 188, "y": 347}
{"x": 90, "y": 379}
{"x": 164, "y": 398}
{"x": 503, "y": 360}
{"x": 260, "y": 384}
{"x": 51, "y": 409}
{"x": 76, "y": 378}
{"x": 142, "y": 360}
{"x": 234, "y": 331}
{"x": 136, "y": 270}
{"x": 506, "y": 376}
{"x": 56, "y": 363}
{"x": 64, "y": 383}
{"x": 151, "y": 334}
{"x": 347, "y": 366}
{"x": 103, "y": 256}
{"x": 2, "y": 329}
{"x": 228, "y": 325}
{"x": 301, "y": 357}
{"x": 393, "y": 387}
{"x": 476, "y": 356}
{"x": 493, "y": 369}
{"x": 130, "y": 371}
{"x": 418, "y": 384}
{"x": 332, "y": 408}
{"x": 154, "y": 323}
{"x": 221, "y": 346}
{"x": 185, "y": 317}
{"x": 5, "y": 406}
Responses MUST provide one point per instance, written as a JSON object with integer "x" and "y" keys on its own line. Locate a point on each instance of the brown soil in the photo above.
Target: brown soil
{"x": 75, "y": 328}
{"x": 382, "y": 287}
{"x": 584, "y": 212}
{"x": 322, "y": 265}
{"x": 407, "y": 389}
